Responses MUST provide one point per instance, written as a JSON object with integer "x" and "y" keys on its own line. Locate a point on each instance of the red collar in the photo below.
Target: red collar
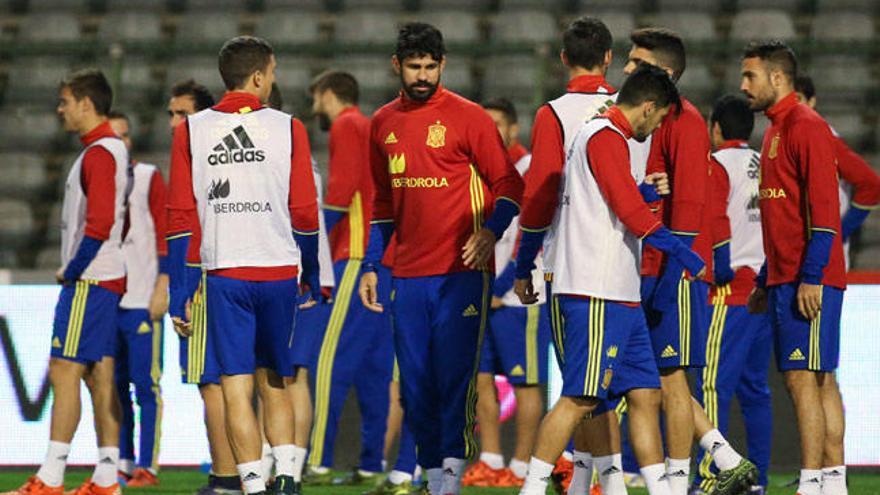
{"x": 410, "y": 104}
{"x": 516, "y": 151}
{"x": 352, "y": 109}
{"x": 589, "y": 84}
{"x": 778, "y": 111}
{"x": 101, "y": 131}
{"x": 733, "y": 143}
{"x": 238, "y": 102}
{"x": 619, "y": 120}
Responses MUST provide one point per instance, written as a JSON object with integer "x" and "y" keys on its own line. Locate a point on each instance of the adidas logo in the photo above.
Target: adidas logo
{"x": 106, "y": 460}
{"x": 144, "y": 328}
{"x": 517, "y": 371}
{"x": 580, "y": 464}
{"x": 449, "y": 472}
{"x": 677, "y": 474}
{"x": 56, "y": 343}
{"x": 715, "y": 447}
{"x": 236, "y": 147}
{"x": 219, "y": 189}
{"x": 250, "y": 477}
{"x": 471, "y": 310}
{"x": 391, "y": 138}
{"x": 610, "y": 471}
{"x": 814, "y": 480}
{"x": 669, "y": 352}
{"x": 796, "y": 355}
{"x": 62, "y": 457}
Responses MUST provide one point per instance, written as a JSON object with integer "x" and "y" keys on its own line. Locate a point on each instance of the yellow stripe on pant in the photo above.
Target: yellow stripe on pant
{"x": 684, "y": 322}
{"x": 76, "y": 317}
{"x": 533, "y": 314}
{"x": 323, "y": 379}
{"x": 470, "y": 413}
{"x": 156, "y": 377}
{"x": 596, "y": 337}
{"x": 197, "y": 346}
{"x": 815, "y": 358}
{"x": 710, "y": 376}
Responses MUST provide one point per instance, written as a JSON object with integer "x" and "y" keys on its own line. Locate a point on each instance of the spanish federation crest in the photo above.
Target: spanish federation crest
{"x": 774, "y": 147}
{"x": 436, "y": 135}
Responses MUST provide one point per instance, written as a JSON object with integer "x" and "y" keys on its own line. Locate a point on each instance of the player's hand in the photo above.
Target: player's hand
{"x": 59, "y": 276}
{"x": 184, "y": 328}
{"x": 159, "y": 298}
{"x": 698, "y": 276}
{"x": 524, "y": 289}
{"x": 660, "y": 181}
{"x": 478, "y": 249}
{"x": 809, "y": 299}
{"x": 496, "y": 302}
{"x": 369, "y": 292}
{"x": 757, "y": 302}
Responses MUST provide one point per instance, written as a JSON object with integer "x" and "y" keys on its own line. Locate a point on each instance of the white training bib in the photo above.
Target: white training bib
{"x": 596, "y": 255}
{"x": 742, "y": 165}
{"x": 108, "y": 263}
{"x": 325, "y": 260}
{"x": 139, "y": 245}
{"x": 241, "y": 182}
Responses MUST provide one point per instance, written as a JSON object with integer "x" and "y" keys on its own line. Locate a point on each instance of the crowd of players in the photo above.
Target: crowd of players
{"x": 644, "y": 243}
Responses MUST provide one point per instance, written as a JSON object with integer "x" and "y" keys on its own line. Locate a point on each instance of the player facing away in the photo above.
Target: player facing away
{"x": 141, "y": 310}
{"x": 198, "y": 361}
{"x": 246, "y": 170}
{"x": 603, "y": 218}
{"x": 803, "y": 279}
{"x": 676, "y": 306}
{"x": 357, "y": 347}
{"x": 438, "y": 163}
{"x": 92, "y": 278}
{"x": 859, "y": 184}
{"x": 515, "y": 344}
{"x": 738, "y": 349}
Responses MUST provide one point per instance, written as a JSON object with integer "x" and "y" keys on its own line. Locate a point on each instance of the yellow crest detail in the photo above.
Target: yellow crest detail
{"x": 436, "y": 135}
{"x": 396, "y": 164}
{"x": 606, "y": 380}
{"x": 774, "y": 147}
{"x": 391, "y": 138}
{"x": 612, "y": 352}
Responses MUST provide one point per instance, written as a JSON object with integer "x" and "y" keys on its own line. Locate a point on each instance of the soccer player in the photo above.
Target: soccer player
{"x": 738, "y": 349}
{"x": 198, "y": 361}
{"x": 139, "y": 337}
{"x": 437, "y": 162}
{"x": 676, "y": 306}
{"x": 357, "y": 347}
{"x": 92, "y": 277}
{"x": 515, "y": 344}
{"x": 803, "y": 279}
{"x": 859, "y": 185}
{"x": 601, "y": 221}
{"x": 246, "y": 171}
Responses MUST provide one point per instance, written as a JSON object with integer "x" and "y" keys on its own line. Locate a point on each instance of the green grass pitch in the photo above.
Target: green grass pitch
{"x": 185, "y": 482}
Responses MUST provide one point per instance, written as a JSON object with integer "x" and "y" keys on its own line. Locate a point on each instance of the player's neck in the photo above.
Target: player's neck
{"x": 336, "y": 110}
{"x": 575, "y": 72}
{"x": 90, "y": 123}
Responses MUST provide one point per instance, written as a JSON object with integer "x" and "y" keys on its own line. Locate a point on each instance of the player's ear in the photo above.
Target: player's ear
{"x": 563, "y": 57}
{"x": 442, "y": 63}
{"x": 395, "y": 63}
{"x": 608, "y": 58}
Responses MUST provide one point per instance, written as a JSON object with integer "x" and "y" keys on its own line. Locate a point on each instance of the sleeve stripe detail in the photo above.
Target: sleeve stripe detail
{"x": 822, "y": 229}
{"x": 682, "y": 232}
{"x": 177, "y": 236}
{"x": 716, "y": 246}
{"x": 382, "y": 220}
{"x": 508, "y": 199}
{"x": 864, "y": 207}
{"x": 542, "y": 229}
{"x": 343, "y": 209}
{"x": 194, "y": 265}
{"x": 311, "y": 232}
{"x": 651, "y": 230}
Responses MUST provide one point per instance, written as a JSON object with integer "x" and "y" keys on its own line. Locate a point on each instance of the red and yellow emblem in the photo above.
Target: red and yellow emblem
{"x": 436, "y": 135}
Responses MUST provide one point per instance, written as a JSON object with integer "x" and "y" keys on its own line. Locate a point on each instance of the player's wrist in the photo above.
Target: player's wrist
{"x": 369, "y": 267}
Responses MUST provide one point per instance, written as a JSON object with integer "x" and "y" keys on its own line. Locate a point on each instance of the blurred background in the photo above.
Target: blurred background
{"x": 497, "y": 48}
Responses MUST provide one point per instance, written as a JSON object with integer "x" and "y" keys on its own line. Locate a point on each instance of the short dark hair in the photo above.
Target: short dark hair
{"x": 775, "y": 53}
{"x": 91, "y": 84}
{"x": 665, "y": 44}
{"x": 340, "y": 83}
{"x": 242, "y": 56}
{"x": 276, "y": 99}
{"x": 416, "y": 39}
{"x": 649, "y": 83}
{"x": 199, "y": 93}
{"x": 586, "y": 41}
{"x": 118, "y": 115}
{"x": 504, "y": 106}
{"x": 804, "y": 84}
{"x": 734, "y": 116}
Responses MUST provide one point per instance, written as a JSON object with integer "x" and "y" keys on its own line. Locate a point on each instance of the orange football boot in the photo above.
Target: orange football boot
{"x": 89, "y": 488}
{"x": 35, "y": 486}
{"x": 479, "y": 474}
{"x": 506, "y": 479}
{"x": 562, "y": 473}
{"x": 596, "y": 489}
{"x": 142, "y": 477}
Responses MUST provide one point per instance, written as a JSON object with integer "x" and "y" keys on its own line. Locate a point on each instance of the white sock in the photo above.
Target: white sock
{"x": 453, "y": 469}
{"x": 656, "y": 480}
{"x": 251, "y": 479}
{"x": 267, "y": 462}
{"x": 435, "y": 480}
{"x": 537, "y": 478}
{"x": 678, "y": 473}
{"x": 105, "y": 469}
{"x": 610, "y": 469}
{"x": 284, "y": 458}
{"x": 126, "y": 466}
{"x": 567, "y": 455}
{"x": 810, "y": 482}
{"x": 299, "y": 461}
{"x": 519, "y": 468}
{"x": 319, "y": 469}
{"x": 834, "y": 480}
{"x": 494, "y": 461}
{"x": 722, "y": 453}
{"x": 582, "y": 476}
{"x": 399, "y": 477}
{"x": 52, "y": 470}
